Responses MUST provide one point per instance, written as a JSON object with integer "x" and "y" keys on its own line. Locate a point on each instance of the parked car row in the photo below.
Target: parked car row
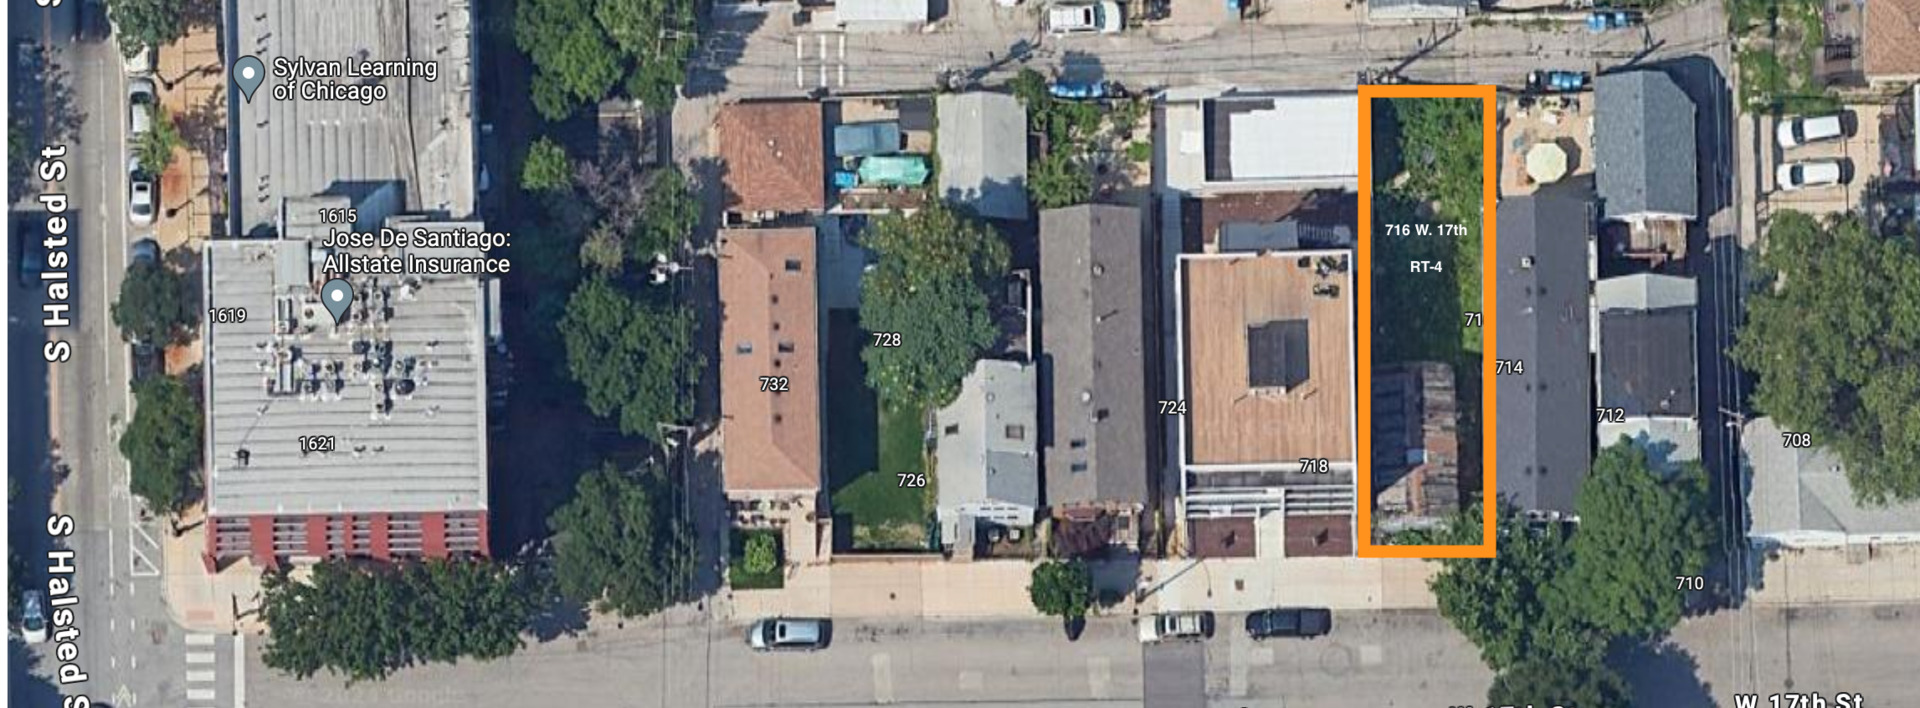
{"x": 1801, "y": 131}
{"x": 812, "y": 634}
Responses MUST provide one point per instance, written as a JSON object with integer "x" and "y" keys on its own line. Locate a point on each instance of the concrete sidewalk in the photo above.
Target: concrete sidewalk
{"x": 1836, "y": 576}
{"x": 897, "y": 587}
{"x": 199, "y": 601}
{"x": 1245, "y": 584}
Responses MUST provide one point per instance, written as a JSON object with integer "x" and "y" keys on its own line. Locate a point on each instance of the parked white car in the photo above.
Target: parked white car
{"x": 140, "y": 199}
{"x": 1069, "y": 18}
{"x": 1808, "y": 173}
{"x": 1169, "y": 626}
{"x": 1803, "y": 130}
{"x": 142, "y": 101}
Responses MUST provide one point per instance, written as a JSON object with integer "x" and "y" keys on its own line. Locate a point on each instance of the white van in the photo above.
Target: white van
{"x": 1808, "y": 173}
{"x": 1803, "y": 130}
{"x": 1069, "y": 18}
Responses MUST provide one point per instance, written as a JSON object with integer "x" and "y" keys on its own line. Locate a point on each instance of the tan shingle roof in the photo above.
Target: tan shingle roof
{"x": 775, "y": 155}
{"x": 769, "y": 324}
{"x": 1893, "y": 38}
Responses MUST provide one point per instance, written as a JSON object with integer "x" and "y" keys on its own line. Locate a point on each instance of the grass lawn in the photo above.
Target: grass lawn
{"x": 868, "y": 443}
{"x": 737, "y": 574}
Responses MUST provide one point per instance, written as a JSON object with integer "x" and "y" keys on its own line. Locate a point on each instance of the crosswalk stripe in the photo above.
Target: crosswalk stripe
{"x": 200, "y": 676}
{"x": 200, "y": 694}
{"x": 199, "y": 640}
{"x": 200, "y": 657}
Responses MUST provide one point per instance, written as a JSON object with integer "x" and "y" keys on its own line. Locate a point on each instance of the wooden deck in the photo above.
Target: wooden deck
{"x": 1232, "y": 422}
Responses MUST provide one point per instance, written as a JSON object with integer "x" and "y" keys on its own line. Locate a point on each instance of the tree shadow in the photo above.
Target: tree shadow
{"x": 722, "y": 45}
{"x": 1665, "y": 675}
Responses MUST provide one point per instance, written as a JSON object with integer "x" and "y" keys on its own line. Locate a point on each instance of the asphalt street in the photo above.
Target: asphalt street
{"x": 743, "y": 57}
{"x": 129, "y": 648}
{"x": 1385, "y": 659}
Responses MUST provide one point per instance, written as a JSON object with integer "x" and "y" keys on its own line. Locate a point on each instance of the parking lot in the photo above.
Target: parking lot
{"x": 1859, "y": 153}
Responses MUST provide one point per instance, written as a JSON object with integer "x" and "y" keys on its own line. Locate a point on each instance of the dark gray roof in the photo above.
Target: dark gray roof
{"x": 1545, "y": 430}
{"x": 1646, "y": 362}
{"x": 1092, "y": 355}
{"x": 1644, "y": 145}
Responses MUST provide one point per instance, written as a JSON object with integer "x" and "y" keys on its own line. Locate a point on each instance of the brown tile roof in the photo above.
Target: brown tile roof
{"x": 775, "y": 155}
{"x": 1893, "y": 38}
{"x": 1235, "y": 421}
{"x": 1226, "y": 537}
{"x": 769, "y": 324}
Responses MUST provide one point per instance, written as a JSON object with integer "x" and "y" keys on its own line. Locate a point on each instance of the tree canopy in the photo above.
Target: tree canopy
{"x": 1501, "y": 603}
{"x": 1062, "y": 588}
{"x": 581, "y": 48}
{"x": 1836, "y": 347}
{"x": 929, "y": 283}
{"x": 634, "y": 357}
{"x": 546, "y": 167}
{"x": 148, "y": 24}
{"x": 155, "y": 147}
{"x": 1584, "y": 682}
{"x": 152, "y": 307}
{"x": 619, "y": 543}
{"x": 1637, "y": 532}
{"x": 363, "y": 621}
{"x": 162, "y": 444}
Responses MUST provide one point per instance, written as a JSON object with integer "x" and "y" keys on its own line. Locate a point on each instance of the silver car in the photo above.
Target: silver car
{"x": 142, "y": 101}
{"x": 140, "y": 194}
{"x": 790, "y": 634}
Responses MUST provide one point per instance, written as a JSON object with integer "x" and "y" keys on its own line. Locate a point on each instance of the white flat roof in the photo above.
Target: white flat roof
{"x": 1293, "y": 136}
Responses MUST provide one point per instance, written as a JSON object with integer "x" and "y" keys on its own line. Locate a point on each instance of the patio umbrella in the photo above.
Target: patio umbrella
{"x": 1546, "y": 163}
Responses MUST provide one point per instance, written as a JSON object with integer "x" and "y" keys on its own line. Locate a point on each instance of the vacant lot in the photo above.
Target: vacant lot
{"x": 870, "y": 443}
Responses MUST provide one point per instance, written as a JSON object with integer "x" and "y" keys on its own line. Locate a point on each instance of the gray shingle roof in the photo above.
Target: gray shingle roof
{"x": 988, "y": 446}
{"x": 1092, "y": 354}
{"x": 1646, "y": 362}
{"x": 983, "y": 153}
{"x": 1545, "y": 436}
{"x": 1802, "y": 494}
{"x": 1644, "y": 145}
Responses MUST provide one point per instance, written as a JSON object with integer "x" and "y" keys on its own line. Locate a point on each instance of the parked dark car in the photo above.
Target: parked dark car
{"x": 1305, "y": 622}
{"x": 29, "y": 254}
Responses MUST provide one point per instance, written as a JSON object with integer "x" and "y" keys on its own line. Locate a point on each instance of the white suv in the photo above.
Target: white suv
{"x": 1809, "y": 173}
{"x": 1803, "y": 130}
{"x": 1084, "y": 18}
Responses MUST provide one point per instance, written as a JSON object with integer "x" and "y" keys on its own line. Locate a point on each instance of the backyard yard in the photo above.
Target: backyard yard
{"x": 869, "y": 444}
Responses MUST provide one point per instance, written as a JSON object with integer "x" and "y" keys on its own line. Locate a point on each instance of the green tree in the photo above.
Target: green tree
{"x": 1836, "y": 346}
{"x": 633, "y": 357}
{"x": 671, "y": 214}
{"x": 1501, "y": 604}
{"x": 761, "y": 556}
{"x": 930, "y": 282}
{"x": 155, "y": 147}
{"x": 574, "y": 62}
{"x": 152, "y": 308}
{"x": 147, "y": 24}
{"x": 162, "y": 444}
{"x": 1056, "y": 180}
{"x": 1062, "y": 588}
{"x": 363, "y": 621}
{"x": 1637, "y": 532}
{"x": 604, "y": 251}
{"x": 546, "y": 168}
{"x": 1582, "y": 682}
{"x": 619, "y": 543}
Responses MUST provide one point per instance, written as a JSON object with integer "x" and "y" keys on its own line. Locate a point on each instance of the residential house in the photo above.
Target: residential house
{"x": 774, "y": 155}
{"x": 1646, "y": 365}
{"x": 1544, "y": 441}
{"x": 1095, "y": 372}
{"x": 982, "y": 139}
{"x": 1643, "y": 142}
{"x": 1799, "y": 497}
{"x": 1892, "y": 51}
{"x": 1416, "y": 445}
{"x": 1268, "y": 442}
{"x": 988, "y": 450}
{"x": 1260, "y": 141}
{"x": 770, "y": 416}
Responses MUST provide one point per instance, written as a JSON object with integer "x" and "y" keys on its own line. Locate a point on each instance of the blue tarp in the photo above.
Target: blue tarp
{"x": 861, "y": 139}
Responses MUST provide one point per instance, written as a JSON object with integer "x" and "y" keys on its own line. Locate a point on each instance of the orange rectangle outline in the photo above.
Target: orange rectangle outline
{"x": 1364, "y": 326}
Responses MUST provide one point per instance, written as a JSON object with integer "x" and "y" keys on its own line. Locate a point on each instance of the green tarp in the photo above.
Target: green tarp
{"x": 895, "y": 171}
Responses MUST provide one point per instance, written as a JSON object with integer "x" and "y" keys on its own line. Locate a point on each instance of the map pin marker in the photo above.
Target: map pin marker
{"x": 248, "y": 74}
{"x": 337, "y": 294}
